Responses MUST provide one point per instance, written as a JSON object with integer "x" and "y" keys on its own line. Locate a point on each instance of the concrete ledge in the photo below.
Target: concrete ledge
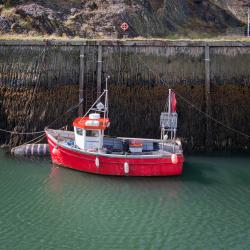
{"x": 153, "y": 43}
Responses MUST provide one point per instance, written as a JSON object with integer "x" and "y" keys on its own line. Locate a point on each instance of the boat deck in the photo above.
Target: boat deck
{"x": 119, "y": 145}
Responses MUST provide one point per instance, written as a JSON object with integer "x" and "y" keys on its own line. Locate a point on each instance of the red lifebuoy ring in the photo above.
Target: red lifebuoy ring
{"x": 124, "y": 26}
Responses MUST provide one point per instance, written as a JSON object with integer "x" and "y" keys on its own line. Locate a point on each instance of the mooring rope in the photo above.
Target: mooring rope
{"x": 41, "y": 132}
{"x": 35, "y": 140}
{"x": 68, "y": 111}
{"x": 21, "y": 133}
{"x": 191, "y": 104}
{"x": 212, "y": 118}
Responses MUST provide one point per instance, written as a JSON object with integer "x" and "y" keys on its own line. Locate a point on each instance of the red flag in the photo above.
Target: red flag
{"x": 173, "y": 102}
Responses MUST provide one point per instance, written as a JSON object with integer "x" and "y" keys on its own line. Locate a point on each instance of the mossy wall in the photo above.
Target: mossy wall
{"x": 153, "y": 65}
{"x": 29, "y": 109}
{"x": 230, "y": 65}
{"x": 46, "y": 66}
{"x": 136, "y": 110}
{"x": 39, "y": 83}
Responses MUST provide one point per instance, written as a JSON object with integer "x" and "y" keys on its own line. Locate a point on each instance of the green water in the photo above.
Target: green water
{"x": 46, "y": 207}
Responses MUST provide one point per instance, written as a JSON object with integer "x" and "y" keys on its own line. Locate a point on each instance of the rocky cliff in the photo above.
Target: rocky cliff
{"x": 102, "y": 18}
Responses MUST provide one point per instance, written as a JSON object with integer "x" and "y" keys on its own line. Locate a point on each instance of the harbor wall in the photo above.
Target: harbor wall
{"x": 40, "y": 80}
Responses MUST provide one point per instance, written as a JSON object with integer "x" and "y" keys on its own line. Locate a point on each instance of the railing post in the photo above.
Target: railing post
{"x": 248, "y": 21}
{"x": 208, "y": 96}
{"x": 99, "y": 71}
{"x": 81, "y": 80}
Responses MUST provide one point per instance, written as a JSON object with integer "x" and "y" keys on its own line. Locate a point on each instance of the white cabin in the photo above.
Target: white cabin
{"x": 89, "y": 131}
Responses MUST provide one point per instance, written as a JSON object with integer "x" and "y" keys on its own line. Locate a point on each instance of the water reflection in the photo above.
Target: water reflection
{"x": 54, "y": 181}
{"x": 62, "y": 179}
{"x": 200, "y": 173}
{"x": 74, "y": 209}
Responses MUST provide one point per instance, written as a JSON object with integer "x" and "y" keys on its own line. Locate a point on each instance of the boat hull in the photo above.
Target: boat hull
{"x": 113, "y": 165}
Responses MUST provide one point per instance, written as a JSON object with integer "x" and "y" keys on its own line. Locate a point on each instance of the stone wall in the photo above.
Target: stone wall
{"x": 40, "y": 80}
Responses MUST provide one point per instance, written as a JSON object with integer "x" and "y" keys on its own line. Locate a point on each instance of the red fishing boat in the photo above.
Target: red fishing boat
{"x": 88, "y": 149}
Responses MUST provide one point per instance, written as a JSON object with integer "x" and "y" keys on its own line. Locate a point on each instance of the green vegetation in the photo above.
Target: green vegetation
{"x": 7, "y": 4}
{"x": 172, "y": 37}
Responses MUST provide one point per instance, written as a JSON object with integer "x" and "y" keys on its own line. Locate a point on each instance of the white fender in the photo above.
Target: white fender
{"x": 55, "y": 150}
{"x": 174, "y": 158}
{"x": 165, "y": 138}
{"x": 178, "y": 142}
{"x": 126, "y": 168}
{"x": 97, "y": 162}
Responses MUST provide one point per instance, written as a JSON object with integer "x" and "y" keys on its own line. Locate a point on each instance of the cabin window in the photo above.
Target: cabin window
{"x": 79, "y": 131}
{"x": 92, "y": 133}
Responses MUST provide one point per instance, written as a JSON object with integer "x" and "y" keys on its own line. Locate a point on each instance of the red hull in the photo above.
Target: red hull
{"x": 108, "y": 165}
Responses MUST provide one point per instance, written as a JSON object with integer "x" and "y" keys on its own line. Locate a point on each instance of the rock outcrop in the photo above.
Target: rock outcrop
{"x": 41, "y": 19}
{"x": 102, "y": 18}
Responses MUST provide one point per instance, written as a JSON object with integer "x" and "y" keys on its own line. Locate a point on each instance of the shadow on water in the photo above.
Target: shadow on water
{"x": 198, "y": 172}
{"x": 192, "y": 172}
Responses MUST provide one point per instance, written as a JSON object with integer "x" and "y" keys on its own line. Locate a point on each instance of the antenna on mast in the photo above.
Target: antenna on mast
{"x": 168, "y": 119}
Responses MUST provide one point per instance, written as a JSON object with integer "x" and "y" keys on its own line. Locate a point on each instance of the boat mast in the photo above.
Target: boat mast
{"x": 169, "y": 102}
{"x": 168, "y": 119}
{"x": 165, "y": 120}
{"x": 106, "y": 111}
{"x": 169, "y": 111}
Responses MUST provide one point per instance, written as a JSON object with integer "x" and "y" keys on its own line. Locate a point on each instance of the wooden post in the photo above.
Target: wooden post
{"x": 208, "y": 96}
{"x": 248, "y": 21}
{"x": 207, "y": 69}
{"x": 81, "y": 80}
{"x": 99, "y": 71}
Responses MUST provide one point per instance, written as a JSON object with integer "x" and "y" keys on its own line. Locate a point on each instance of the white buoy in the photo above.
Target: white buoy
{"x": 165, "y": 138}
{"x": 55, "y": 150}
{"x": 174, "y": 158}
{"x": 126, "y": 168}
{"x": 178, "y": 142}
{"x": 97, "y": 162}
